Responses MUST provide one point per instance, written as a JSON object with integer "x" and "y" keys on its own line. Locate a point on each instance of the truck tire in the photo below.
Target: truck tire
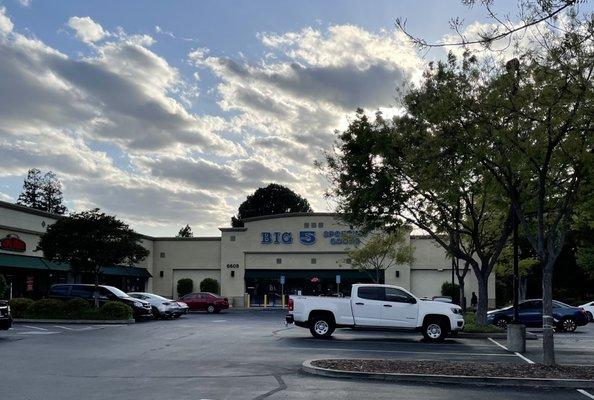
{"x": 321, "y": 326}
{"x": 434, "y": 329}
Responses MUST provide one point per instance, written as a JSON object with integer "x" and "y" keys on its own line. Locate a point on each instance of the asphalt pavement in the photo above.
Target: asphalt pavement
{"x": 238, "y": 355}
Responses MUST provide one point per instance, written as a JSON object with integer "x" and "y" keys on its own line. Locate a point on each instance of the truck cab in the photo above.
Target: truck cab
{"x": 375, "y": 306}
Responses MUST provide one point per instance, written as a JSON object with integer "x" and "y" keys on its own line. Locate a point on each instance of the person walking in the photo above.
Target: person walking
{"x": 473, "y": 300}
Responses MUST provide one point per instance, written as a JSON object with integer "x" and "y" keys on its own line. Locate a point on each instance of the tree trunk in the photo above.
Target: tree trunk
{"x": 523, "y": 287}
{"x": 483, "y": 300}
{"x": 462, "y": 296}
{"x": 96, "y": 293}
{"x": 548, "y": 341}
{"x": 377, "y": 275}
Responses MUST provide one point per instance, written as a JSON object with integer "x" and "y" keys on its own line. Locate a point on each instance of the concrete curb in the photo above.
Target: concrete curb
{"x": 75, "y": 321}
{"x": 450, "y": 379}
{"x": 496, "y": 335}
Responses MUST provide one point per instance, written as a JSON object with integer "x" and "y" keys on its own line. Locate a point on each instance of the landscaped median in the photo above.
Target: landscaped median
{"x": 71, "y": 311}
{"x": 456, "y": 372}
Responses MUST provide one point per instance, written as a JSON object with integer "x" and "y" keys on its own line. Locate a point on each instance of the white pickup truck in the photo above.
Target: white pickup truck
{"x": 377, "y": 307}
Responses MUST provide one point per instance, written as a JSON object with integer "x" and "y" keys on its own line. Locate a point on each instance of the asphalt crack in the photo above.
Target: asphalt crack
{"x": 281, "y": 386}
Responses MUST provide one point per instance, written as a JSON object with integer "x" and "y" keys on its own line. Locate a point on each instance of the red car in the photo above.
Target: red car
{"x": 209, "y": 302}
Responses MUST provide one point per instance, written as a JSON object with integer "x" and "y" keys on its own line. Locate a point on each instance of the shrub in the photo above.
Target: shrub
{"x": 114, "y": 310}
{"x": 185, "y": 286}
{"x": 77, "y": 309}
{"x": 19, "y": 306}
{"x": 452, "y": 290}
{"x": 209, "y": 285}
{"x": 46, "y": 308}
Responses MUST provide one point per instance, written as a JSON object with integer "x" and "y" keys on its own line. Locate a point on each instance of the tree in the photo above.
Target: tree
{"x": 270, "y": 200}
{"x": 531, "y": 13}
{"x": 209, "y": 285}
{"x": 91, "y": 240}
{"x": 51, "y": 194}
{"x": 381, "y": 251}
{"x": 414, "y": 170}
{"x": 185, "y": 232}
{"x": 185, "y": 286}
{"x": 452, "y": 290}
{"x": 32, "y": 187}
{"x": 42, "y": 192}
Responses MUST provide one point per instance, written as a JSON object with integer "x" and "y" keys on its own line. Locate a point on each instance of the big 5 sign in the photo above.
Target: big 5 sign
{"x": 307, "y": 237}
{"x": 12, "y": 242}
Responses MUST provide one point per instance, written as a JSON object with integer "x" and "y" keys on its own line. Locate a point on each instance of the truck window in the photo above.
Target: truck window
{"x": 397, "y": 296}
{"x": 371, "y": 292}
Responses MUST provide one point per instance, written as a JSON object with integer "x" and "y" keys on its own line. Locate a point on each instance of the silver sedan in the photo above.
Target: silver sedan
{"x": 162, "y": 307}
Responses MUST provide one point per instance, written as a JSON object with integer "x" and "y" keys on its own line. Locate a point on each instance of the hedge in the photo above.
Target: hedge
{"x": 185, "y": 286}
{"x": 209, "y": 285}
{"x": 71, "y": 309}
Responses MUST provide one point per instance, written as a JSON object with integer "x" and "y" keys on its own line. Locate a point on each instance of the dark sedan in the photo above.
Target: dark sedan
{"x": 567, "y": 318}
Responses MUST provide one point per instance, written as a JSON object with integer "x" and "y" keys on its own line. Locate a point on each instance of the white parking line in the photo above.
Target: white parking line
{"x": 35, "y": 327}
{"x": 37, "y": 333}
{"x": 402, "y": 351}
{"x": 529, "y": 361}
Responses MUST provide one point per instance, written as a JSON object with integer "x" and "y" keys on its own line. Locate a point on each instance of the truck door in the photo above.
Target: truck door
{"x": 367, "y": 305}
{"x": 399, "y": 309}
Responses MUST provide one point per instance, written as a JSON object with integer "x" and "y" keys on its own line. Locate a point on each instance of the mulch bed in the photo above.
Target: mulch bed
{"x": 460, "y": 368}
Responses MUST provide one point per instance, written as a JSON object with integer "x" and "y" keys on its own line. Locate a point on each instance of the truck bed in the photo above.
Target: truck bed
{"x": 340, "y": 306}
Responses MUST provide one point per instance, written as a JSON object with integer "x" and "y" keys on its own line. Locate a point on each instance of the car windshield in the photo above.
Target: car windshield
{"x": 116, "y": 291}
{"x": 155, "y": 296}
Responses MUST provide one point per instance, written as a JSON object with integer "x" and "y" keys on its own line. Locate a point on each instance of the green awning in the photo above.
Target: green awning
{"x": 345, "y": 274}
{"x": 119, "y": 270}
{"x": 22, "y": 262}
{"x": 39, "y": 263}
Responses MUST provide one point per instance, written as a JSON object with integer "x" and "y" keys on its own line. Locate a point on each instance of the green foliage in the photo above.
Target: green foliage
{"x": 452, "y": 290}
{"x": 209, "y": 285}
{"x": 77, "y": 309}
{"x": 470, "y": 325}
{"x": 381, "y": 251}
{"x": 3, "y": 287}
{"x": 185, "y": 232}
{"x": 90, "y": 240}
{"x": 42, "y": 192}
{"x": 185, "y": 286}
{"x": 270, "y": 200}
{"x": 46, "y": 308}
{"x": 19, "y": 306}
{"x": 114, "y": 310}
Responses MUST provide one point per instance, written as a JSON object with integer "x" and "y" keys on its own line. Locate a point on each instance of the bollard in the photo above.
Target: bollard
{"x": 265, "y": 300}
{"x": 247, "y": 300}
{"x": 283, "y": 300}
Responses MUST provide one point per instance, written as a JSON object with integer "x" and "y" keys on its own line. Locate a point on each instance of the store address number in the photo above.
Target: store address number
{"x": 232, "y": 265}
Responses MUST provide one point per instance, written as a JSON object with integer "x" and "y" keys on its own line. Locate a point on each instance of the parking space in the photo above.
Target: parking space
{"x": 233, "y": 355}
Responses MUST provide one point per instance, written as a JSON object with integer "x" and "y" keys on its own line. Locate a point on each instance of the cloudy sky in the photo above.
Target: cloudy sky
{"x": 171, "y": 112}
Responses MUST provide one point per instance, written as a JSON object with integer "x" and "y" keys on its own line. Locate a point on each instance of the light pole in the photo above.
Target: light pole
{"x": 516, "y": 332}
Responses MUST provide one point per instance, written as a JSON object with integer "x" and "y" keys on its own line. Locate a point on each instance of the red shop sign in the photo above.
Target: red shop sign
{"x": 12, "y": 242}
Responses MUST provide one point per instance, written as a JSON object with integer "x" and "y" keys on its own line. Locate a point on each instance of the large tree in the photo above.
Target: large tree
{"x": 414, "y": 170}
{"x": 185, "y": 232}
{"x": 42, "y": 192}
{"x": 270, "y": 200}
{"x": 91, "y": 240}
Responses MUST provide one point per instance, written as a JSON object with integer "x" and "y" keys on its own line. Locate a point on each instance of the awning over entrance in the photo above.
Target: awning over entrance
{"x": 22, "y": 262}
{"x": 348, "y": 274}
{"x": 39, "y": 263}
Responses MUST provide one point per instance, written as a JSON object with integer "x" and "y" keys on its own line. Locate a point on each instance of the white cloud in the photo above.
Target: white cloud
{"x": 86, "y": 29}
{"x": 6, "y": 24}
{"x": 25, "y": 3}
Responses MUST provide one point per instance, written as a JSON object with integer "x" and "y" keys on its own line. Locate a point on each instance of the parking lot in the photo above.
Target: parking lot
{"x": 238, "y": 355}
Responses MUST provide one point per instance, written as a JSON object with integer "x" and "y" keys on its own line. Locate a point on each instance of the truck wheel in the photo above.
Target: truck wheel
{"x": 434, "y": 330}
{"x": 321, "y": 326}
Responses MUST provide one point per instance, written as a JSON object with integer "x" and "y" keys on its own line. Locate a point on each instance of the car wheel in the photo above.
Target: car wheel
{"x": 434, "y": 330}
{"x": 322, "y": 326}
{"x": 569, "y": 324}
{"x": 156, "y": 313}
{"x": 210, "y": 309}
{"x": 501, "y": 322}
{"x": 590, "y": 316}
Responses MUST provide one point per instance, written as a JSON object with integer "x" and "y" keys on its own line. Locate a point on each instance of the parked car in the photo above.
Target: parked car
{"x": 65, "y": 291}
{"x": 589, "y": 309}
{"x": 205, "y": 301}
{"x": 5, "y": 316}
{"x": 566, "y": 318}
{"x": 373, "y": 306}
{"x": 161, "y": 306}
